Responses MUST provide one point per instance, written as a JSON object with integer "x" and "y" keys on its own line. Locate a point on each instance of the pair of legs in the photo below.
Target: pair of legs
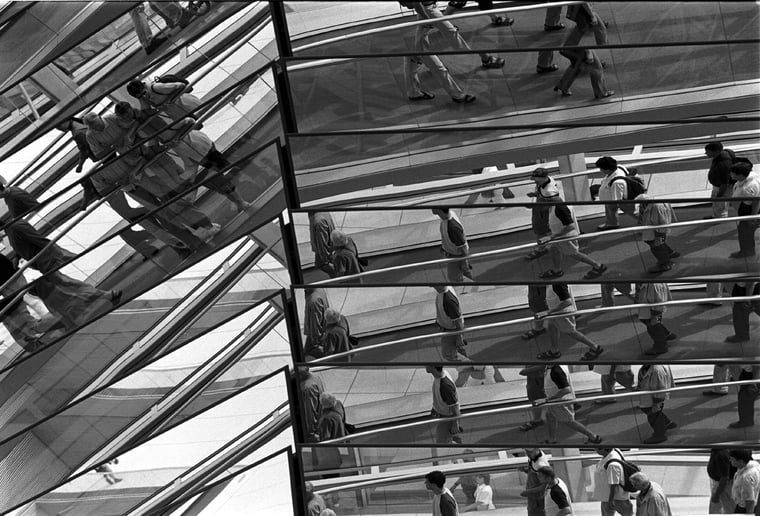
{"x": 624, "y": 507}
{"x": 725, "y": 504}
{"x": 552, "y": 21}
{"x": 537, "y": 304}
{"x": 659, "y": 421}
{"x": 720, "y": 208}
{"x": 457, "y": 271}
{"x": 70, "y": 299}
{"x": 483, "y": 5}
{"x": 608, "y": 292}
{"x": 579, "y": 64}
{"x": 535, "y": 391}
{"x": 746, "y": 231}
{"x": 597, "y": 25}
{"x": 741, "y": 312}
{"x": 566, "y": 326}
{"x": 570, "y": 249}
{"x": 659, "y": 333}
{"x": 622, "y": 376}
{"x": 447, "y": 29}
{"x": 142, "y": 29}
{"x": 565, "y": 414}
{"x": 662, "y": 252}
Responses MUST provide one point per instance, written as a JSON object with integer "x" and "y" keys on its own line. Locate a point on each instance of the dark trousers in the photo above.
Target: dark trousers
{"x": 657, "y": 330}
{"x": 661, "y": 250}
{"x": 743, "y": 309}
{"x": 746, "y": 229}
{"x": 746, "y": 399}
{"x": 658, "y": 420}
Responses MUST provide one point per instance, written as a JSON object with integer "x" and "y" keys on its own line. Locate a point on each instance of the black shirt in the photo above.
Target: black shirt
{"x": 719, "y": 466}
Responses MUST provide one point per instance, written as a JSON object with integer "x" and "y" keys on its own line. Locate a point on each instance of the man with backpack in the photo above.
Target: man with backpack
{"x": 618, "y": 185}
{"x": 611, "y": 480}
{"x": 657, "y": 214}
{"x": 719, "y": 177}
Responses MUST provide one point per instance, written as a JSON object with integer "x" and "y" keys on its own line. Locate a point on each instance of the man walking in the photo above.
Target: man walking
{"x": 454, "y": 245}
{"x": 608, "y": 479}
{"x": 656, "y": 377}
{"x": 445, "y": 404}
{"x": 444, "y": 503}
{"x": 657, "y": 214}
{"x": 651, "y": 500}
{"x": 613, "y": 188}
{"x": 719, "y": 177}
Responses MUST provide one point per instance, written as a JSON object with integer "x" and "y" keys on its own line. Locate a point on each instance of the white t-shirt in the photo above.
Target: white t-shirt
{"x": 612, "y": 474}
{"x": 484, "y": 495}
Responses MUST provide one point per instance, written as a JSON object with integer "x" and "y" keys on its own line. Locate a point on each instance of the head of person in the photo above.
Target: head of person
{"x": 533, "y": 453}
{"x": 303, "y": 373}
{"x": 603, "y": 451}
{"x": 435, "y": 480}
{"x": 136, "y": 89}
{"x": 338, "y": 238}
{"x": 332, "y": 316}
{"x": 308, "y": 489}
{"x": 94, "y": 121}
{"x": 124, "y": 111}
{"x": 739, "y": 457}
{"x": 712, "y": 149}
{"x": 607, "y": 164}
{"x": 436, "y": 371}
{"x": 483, "y": 478}
{"x": 443, "y": 213}
{"x": 546, "y": 474}
{"x": 639, "y": 481}
{"x": 539, "y": 176}
{"x": 327, "y": 401}
{"x": 740, "y": 171}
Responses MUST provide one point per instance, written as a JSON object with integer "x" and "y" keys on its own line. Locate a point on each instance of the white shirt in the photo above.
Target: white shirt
{"x": 746, "y": 483}
{"x": 606, "y": 474}
{"x": 609, "y": 191}
{"x": 749, "y": 187}
{"x": 484, "y": 495}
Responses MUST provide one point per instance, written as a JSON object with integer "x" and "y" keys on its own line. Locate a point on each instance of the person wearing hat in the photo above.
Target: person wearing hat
{"x": 657, "y": 214}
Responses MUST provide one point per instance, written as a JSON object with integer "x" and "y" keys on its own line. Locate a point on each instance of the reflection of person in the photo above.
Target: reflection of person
{"x": 608, "y": 479}
{"x": 454, "y": 244}
{"x": 558, "y": 388}
{"x": 651, "y": 500}
{"x": 483, "y": 494}
{"x": 719, "y": 177}
{"x": 345, "y": 258}
{"x": 483, "y": 5}
{"x": 743, "y": 309}
{"x": 170, "y": 98}
{"x": 335, "y": 339}
{"x": 656, "y": 377}
{"x": 747, "y": 185}
{"x": 651, "y": 316}
{"x": 107, "y": 471}
{"x": 555, "y": 491}
{"x": 449, "y": 318}
{"x": 444, "y": 503}
{"x": 534, "y": 487}
{"x": 468, "y": 483}
{"x": 429, "y": 10}
{"x": 445, "y": 404}
{"x": 721, "y": 474}
{"x": 22, "y": 326}
{"x": 321, "y": 224}
{"x": 142, "y": 28}
{"x": 613, "y": 188}
{"x": 747, "y": 394}
{"x": 330, "y": 426}
{"x": 534, "y": 385}
{"x": 585, "y": 19}
{"x": 611, "y": 374}
{"x": 315, "y": 504}
{"x": 316, "y": 302}
{"x": 657, "y": 214}
{"x": 584, "y": 60}
{"x": 311, "y": 387}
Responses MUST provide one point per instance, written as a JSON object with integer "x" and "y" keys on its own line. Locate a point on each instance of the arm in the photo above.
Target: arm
{"x": 722, "y": 483}
{"x": 566, "y": 217}
{"x": 618, "y": 188}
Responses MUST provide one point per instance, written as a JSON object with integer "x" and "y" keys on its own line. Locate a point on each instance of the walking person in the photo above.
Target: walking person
{"x": 613, "y": 188}
{"x": 651, "y": 316}
{"x": 746, "y": 486}
{"x": 497, "y": 20}
{"x": 444, "y": 503}
{"x": 584, "y": 60}
{"x": 483, "y": 494}
{"x": 311, "y": 388}
{"x": 612, "y": 374}
{"x": 651, "y": 500}
{"x": 534, "y": 386}
{"x": 321, "y": 225}
{"x": 741, "y": 310}
{"x": 537, "y": 459}
{"x": 454, "y": 245}
{"x": 537, "y": 305}
{"x": 445, "y": 404}
{"x": 656, "y": 377}
{"x": 719, "y": 177}
{"x": 747, "y": 394}
{"x": 657, "y": 214}
{"x": 586, "y": 19}
{"x": 449, "y": 318}
{"x": 552, "y": 23}
{"x": 608, "y": 479}
{"x": 559, "y": 326}
{"x": 18, "y": 320}
{"x": 170, "y": 98}
{"x": 721, "y": 474}
{"x": 559, "y": 388}
{"x": 746, "y": 184}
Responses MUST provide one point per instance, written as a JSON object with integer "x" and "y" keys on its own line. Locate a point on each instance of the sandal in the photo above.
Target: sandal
{"x": 533, "y": 333}
{"x": 549, "y": 355}
{"x": 591, "y": 354}
{"x": 530, "y": 425}
{"x": 594, "y": 440}
{"x": 493, "y": 62}
{"x": 595, "y": 272}
{"x": 422, "y": 96}
{"x": 467, "y": 99}
{"x": 536, "y": 253}
{"x": 551, "y": 273}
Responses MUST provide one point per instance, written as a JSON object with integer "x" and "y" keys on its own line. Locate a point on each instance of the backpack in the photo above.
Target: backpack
{"x": 629, "y": 468}
{"x": 634, "y": 183}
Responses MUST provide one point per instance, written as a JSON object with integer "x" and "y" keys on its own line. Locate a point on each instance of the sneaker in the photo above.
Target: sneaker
{"x": 551, "y": 28}
{"x": 737, "y": 338}
{"x": 606, "y": 227}
{"x": 672, "y": 425}
{"x": 739, "y": 424}
{"x": 467, "y": 99}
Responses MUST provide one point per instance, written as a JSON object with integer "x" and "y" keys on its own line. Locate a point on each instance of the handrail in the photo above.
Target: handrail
{"x": 528, "y": 406}
{"x": 342, "y": 280}
{"x": 522, "y": 320}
